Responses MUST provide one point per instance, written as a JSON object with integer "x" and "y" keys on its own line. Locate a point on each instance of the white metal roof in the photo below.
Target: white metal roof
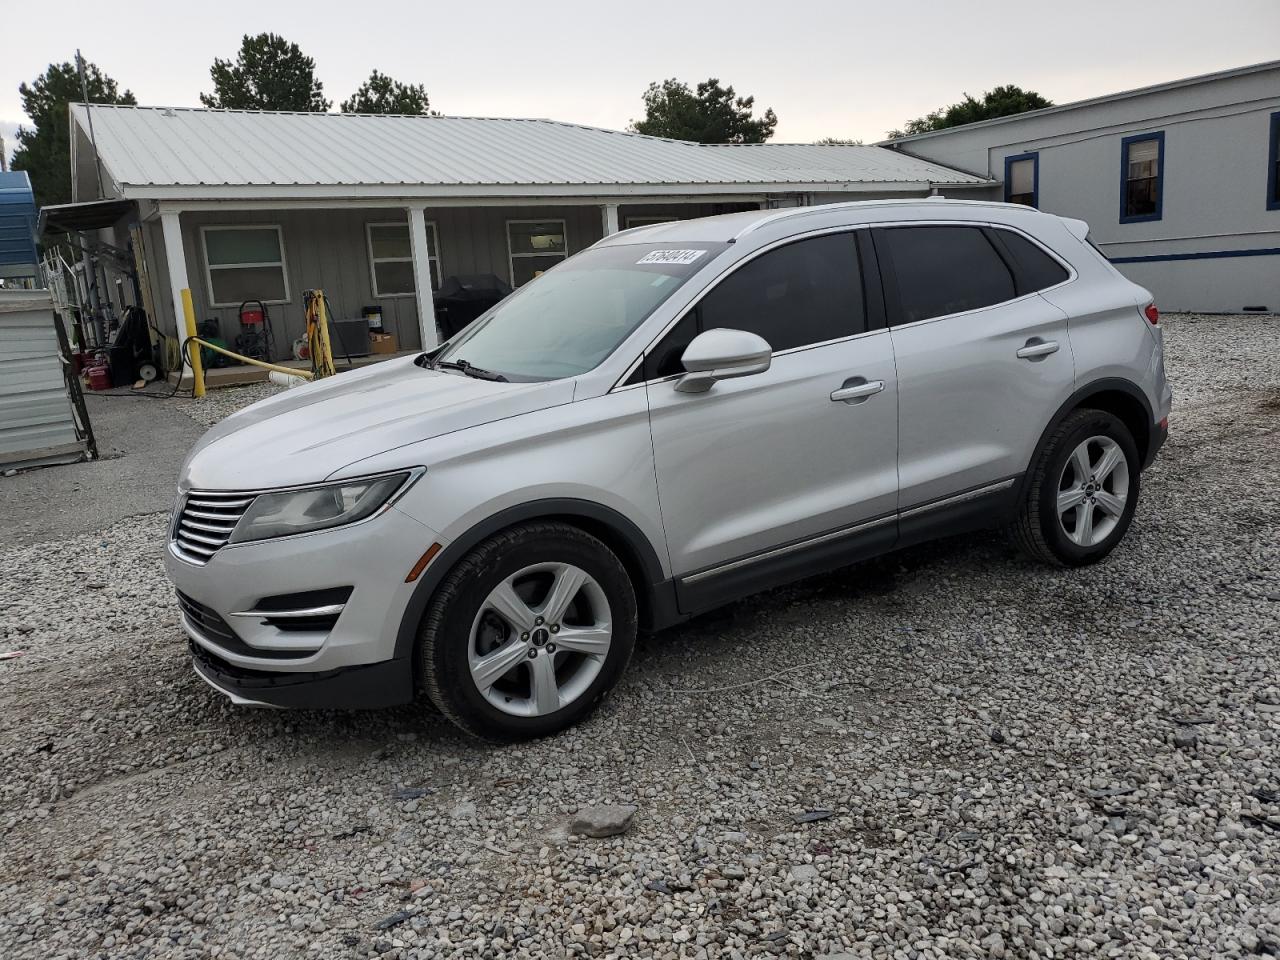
{"x": 170, "y": 152}
{"x": 1094, "y": 101}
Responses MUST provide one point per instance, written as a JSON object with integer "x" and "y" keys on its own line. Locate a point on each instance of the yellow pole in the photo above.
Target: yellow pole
{"x": 323, "y": 364}
{"x": 197, "y": 367}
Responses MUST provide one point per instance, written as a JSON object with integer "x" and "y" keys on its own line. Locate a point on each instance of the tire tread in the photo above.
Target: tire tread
{"x": 473, "y": 565}
{"x": 1027, "y": 531}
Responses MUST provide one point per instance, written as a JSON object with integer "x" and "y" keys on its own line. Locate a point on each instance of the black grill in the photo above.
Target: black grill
{"x": 216, "y": 630}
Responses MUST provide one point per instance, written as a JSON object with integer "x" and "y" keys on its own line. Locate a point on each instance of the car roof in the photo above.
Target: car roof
{"x": 729, "y": 227}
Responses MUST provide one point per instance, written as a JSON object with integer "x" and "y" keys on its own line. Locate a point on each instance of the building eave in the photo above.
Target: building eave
{"x": 355, "y": 195}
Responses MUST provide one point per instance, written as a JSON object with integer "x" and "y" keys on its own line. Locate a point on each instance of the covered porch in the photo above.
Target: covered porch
{"x": 388, "y": 255}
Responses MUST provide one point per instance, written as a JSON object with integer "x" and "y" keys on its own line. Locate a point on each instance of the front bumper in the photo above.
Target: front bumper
{"x": 371, "y": 558}
{"x": 385, "y": 684}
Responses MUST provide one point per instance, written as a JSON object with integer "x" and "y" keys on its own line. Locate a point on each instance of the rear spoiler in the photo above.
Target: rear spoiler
{"x": 1079, "y": 229}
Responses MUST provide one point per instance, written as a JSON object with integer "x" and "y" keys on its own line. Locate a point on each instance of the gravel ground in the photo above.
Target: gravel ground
{"x": 949, "y": 752}
{"x": 216, "y": 404}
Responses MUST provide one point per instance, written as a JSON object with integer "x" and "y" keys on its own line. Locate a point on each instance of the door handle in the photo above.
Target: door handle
{"x": 1037, "y": 349}
{"x": 857, "y": 389}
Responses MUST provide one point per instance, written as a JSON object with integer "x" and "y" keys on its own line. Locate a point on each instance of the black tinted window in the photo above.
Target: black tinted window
{"x": 943, "y": 270}
{"x": 803, "y": 293}
{"x": 664, "y": 359}
{"x": 1033, "y": 268}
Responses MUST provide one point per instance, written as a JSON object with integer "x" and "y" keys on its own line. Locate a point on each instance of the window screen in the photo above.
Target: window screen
{"x": 245, "y": 263}
{"x": 535, "y": 246}
{"x": 1033, "y": 269}
{"x": 1020, "y": 181}
{"x": 391, "y": 259}
{"x": 942, "y": 270}
{"x": 1273, "y": 165}
{"x": 1142, "y": 178}
{"x": 806, "y": 292}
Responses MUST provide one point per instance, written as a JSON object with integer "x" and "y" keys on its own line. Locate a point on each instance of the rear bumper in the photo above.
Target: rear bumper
{"x": 385, "y": 684}
{"x": 1159, "y": 434}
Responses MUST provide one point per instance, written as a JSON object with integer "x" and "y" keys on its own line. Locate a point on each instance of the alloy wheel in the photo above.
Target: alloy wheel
{"x": 1093, "y": 491}
{"x": 539, "y": 639}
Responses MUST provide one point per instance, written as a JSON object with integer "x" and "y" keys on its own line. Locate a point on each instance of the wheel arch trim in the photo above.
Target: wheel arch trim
{"x": 1080, "y": 399}
{"x": 643, "y": 556}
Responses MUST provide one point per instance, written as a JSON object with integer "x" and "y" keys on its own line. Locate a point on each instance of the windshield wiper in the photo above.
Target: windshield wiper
{"x": 470, "y": 370}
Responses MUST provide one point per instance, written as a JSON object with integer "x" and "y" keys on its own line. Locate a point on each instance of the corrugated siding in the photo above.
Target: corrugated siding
{"x": 35, "y": 413}
{"x": 328, "y": 249}
{"x": 157, "y": 146}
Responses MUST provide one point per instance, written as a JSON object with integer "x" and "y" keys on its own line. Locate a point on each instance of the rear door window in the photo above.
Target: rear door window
{"x": 941, "y": 270}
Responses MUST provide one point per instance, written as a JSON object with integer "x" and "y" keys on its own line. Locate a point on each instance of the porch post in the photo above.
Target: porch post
{"x": 422, "y": 275}
{"x": 610, "y": 214}
{"x": 176, "y": 257}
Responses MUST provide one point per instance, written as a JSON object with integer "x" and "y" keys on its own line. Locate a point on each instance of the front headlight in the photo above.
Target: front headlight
{"x": 316, "y": 508}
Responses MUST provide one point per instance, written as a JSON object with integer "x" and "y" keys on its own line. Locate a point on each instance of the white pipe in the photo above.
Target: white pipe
{"x": 285, "y": 379}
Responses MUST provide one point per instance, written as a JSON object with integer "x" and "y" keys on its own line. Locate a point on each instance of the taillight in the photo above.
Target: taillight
{"x": 1151, "y": 313}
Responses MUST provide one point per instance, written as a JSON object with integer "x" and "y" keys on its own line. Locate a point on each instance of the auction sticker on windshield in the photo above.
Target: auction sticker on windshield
{"x": 671, "y": 256}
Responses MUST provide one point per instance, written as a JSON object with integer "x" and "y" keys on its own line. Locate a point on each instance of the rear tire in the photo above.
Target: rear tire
{"x": 1081, "y": 492}
{"x": 528, "y": 632}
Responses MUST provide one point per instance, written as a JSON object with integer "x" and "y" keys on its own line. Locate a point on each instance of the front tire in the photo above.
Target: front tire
{"x": 528, "y": 632}
{"x": 1081, "y": 492}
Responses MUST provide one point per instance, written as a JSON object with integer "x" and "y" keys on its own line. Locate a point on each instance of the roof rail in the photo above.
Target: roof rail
{"x": 796, "y": 212}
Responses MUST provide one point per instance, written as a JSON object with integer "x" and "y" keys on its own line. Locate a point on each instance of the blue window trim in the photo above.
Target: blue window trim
{"x": 1158, "y": 136}
{"x": 1034, "y": 157}
{"x": 1273, "y": 154}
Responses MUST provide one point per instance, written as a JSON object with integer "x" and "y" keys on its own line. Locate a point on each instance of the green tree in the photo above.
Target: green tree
{"x": 712, "y": 114}
{"x": 381, "y": 94}
{"x": 837, "y": 142}
{"x": 269, "y": 73}
{"x": 44, "y": 149}
{"x": 1001, "y": 102}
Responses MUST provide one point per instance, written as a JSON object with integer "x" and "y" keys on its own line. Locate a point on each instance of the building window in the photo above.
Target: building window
{"x": 1022, "y": 179}
{"x": 1141, "y": 177}
{"x": 1273, "y": 165}
{"x": 391, "y": 258}
{"x": 245, "y": 263}
{"x": 646, "y": 221}
{"x": 534, "y": 246}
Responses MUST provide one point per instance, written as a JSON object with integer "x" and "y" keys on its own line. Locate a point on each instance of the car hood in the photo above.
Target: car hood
{"x": 305, "y": 434}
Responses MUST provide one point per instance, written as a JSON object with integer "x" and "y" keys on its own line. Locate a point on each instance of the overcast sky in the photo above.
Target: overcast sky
{"x": 828, "y": 68}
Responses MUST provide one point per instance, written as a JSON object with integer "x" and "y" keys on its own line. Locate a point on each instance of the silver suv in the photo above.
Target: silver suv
{"x": 681, "y": 415}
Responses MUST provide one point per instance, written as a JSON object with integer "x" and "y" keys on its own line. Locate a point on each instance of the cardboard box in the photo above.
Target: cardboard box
{"x": 383, "y": 343}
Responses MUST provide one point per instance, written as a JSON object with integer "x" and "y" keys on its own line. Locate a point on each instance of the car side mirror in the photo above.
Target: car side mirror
{"x": 721, "y": 354}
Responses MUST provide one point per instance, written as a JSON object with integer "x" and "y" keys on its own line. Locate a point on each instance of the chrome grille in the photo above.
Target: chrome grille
{"x": 205, "y": 521}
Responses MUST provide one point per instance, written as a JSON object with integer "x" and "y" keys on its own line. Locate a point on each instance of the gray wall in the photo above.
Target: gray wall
{"x": 327, "y": 249}
{"x": 1215, "y": 180}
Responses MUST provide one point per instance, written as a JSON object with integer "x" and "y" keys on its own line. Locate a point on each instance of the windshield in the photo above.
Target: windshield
{"x": 568, "y": 320}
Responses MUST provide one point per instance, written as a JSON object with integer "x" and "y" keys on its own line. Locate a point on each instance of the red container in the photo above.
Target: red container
{"x": 99, "y": 377}
{"x": 251, "y": 317}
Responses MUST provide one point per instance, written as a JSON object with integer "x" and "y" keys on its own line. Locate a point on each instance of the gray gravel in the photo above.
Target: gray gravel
{"x": 1017, "y": 762}
{"x": 216, "y": 404}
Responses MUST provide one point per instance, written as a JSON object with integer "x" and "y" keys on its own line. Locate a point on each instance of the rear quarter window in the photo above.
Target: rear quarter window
{"x": 1033, "y": 269}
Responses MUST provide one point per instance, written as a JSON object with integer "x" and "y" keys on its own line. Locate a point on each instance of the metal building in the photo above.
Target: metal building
{"x": 381, "y": 210}
{"x": 1179, "y": 182}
